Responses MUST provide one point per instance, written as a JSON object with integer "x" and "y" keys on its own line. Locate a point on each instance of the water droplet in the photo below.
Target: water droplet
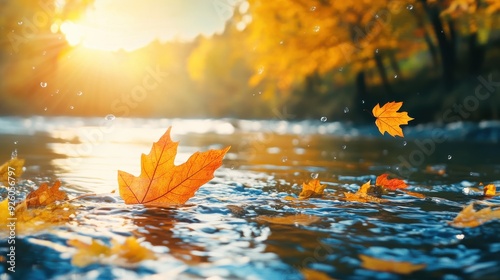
{"x": 362, "y": 102}
{"x": 13, "y": 154}
{"x": 376, "y": 15}
{"x": 314, "y": 175}
{"x": 43, "y": 84}
{"x": 404, "y": 143}
{"x": 15, "y": 142}
{"x": 346, "y": 110}
{"x": 72, "y": 107}
{"x": 324, "y": 119}
{"x": 45, "y": 109}
{"x": 33, "y": 67}
{"x": 341, "y": 69}
{"x": 449, "y": 157}
{"x": 395, "y": 76}
{"x": 344, "y": 147}
{"x": 316, "y": 28}
{"x": 282, "y": 42}
{"x": 284, "y": 159}
{"x": 409, "y": 7}
{"x": 79, "y": 93}
{"x": 110, "y": 117}
{"x": 260, "y": 70}
{"x": 313, "y": 8}
{"x": 57, "y": 91}
{"x": 376, "y": 51}
{"x": 260, "y": 92}
{"x": 20, "y": 23}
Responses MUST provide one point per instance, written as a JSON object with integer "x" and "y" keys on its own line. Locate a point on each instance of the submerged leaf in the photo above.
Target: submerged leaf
{"x": 128, "y": 253}
{"x": 161, "y": 182}
{"x": 388, "y": 119}
{"x": 469, "y": 217}
{"x": 312, "y": 189}
{"x": 390, "y": 184}
{"x": 299, "y": 219}
{"x": 389, "y": 265}
{"x": 45, "y": 195}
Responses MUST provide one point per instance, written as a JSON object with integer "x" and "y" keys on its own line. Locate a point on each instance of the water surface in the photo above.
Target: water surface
{"x": 215, "y": 235}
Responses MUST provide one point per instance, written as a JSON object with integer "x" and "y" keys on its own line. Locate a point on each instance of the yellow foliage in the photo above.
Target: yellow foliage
{"x": 13, "y": 168}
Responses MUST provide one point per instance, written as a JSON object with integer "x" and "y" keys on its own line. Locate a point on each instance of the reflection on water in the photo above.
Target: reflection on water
{"x": 216, "y": 234}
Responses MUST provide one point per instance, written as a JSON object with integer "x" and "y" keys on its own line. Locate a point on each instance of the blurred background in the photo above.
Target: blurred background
{"x": 250, "y": 59}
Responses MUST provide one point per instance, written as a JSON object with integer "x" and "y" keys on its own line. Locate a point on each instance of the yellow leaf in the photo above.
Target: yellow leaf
{"x": 11, "y": 169}
{"x": 299, "y": 219}
{"x": 128, "y": 253}
{"x": 389, "y": 265}
{"x": 489, "y": 190}
{"x": 311, "y": 189}
{"x": 161, "y": 182}
{"x": 469, "y": 217}
{"x": 311, "y": 274}
{"x": 362, "y": 195}
{"x": 388, "y": 119}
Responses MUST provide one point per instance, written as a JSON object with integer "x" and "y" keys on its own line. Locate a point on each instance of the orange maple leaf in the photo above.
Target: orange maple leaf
{"x": 362, "y": 195}
{"x": 162, "y": 182}
{"x": 390, "y": 184}
{"x": 388, "y": 119}
{"x": 468, "y": 217}
{"x": 312, "y": 189}
{"x": 489, "y": 190}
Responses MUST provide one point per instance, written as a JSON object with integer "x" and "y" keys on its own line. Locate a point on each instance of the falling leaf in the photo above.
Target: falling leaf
{"x": 45, "y": 195}
{"x": 469, "y": 217}
{"x": 312, "y": 189}
{"x": 389, "y": 265}
{"x": 390, "y": 184}
{"x": 489, "y": 190}
{"x": 161, "y": 182}
{"x": 299, "y": 219}
{"x": 126, "y": 254}
{"x": 388, "y": 119}
{"x": 362, "y": 195}
{"x": 11, "y": 169}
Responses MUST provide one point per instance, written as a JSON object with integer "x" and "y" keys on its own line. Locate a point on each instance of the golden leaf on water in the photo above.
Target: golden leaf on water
{"x": 469, "y": 217}
{"x": 299, "y": 219}
{"x": 389, "y": 265}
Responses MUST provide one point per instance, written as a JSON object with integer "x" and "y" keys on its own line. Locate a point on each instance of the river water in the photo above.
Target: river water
{"x": 216, "y": 234}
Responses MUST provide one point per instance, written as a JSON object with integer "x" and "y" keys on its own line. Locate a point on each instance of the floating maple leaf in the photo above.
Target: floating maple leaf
{"x": 389, "y": 265}
{"x": 388, "y": 119}
{"x": 312, "y": 189}
{"x": 362, "y": 195}
{"x": 390, "y": 184}
{"x": 162, "y": 182}
{"x": 469, "y": 217}
{"x": 489, "y": 190}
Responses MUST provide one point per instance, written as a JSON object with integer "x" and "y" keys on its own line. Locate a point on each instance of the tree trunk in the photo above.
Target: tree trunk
{"x": 477, "y": 53}
{"x": 394, "y": 63}
{"x": 428, "y": 39}
{"x": 446, "y": 46}
{"x": 383, "y": 73}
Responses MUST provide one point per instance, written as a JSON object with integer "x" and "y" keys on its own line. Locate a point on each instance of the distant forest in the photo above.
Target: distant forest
{"x": 282, "y": 59}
